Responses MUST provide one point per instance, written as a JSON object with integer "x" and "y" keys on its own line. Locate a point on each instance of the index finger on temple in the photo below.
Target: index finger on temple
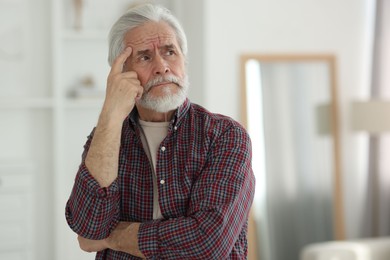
{"x": 117, "y": 66}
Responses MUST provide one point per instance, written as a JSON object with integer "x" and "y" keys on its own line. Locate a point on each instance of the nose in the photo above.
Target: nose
{"x": 161, "y": 66}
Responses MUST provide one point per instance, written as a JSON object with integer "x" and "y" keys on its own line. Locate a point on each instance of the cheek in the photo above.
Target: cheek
{"x": 143, "y": 78}
{"x": 142, "y": 75}
{"x": 179, "y": 69}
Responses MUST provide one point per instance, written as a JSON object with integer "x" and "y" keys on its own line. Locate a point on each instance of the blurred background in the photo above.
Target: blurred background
{"x": 308, "y": 78}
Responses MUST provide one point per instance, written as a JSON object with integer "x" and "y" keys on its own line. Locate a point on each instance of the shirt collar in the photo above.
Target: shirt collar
{"x": 177, "y": 117}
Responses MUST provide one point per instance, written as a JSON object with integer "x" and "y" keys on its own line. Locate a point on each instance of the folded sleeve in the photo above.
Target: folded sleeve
{"x": 92, "y": 211}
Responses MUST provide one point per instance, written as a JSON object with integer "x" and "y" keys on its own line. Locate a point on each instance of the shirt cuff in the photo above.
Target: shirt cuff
{"x": 89, "y": 184}
{"x": 148, "y": 239}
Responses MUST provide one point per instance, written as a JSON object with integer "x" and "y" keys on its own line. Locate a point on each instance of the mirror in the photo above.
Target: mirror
{"x": 290, "y": 111}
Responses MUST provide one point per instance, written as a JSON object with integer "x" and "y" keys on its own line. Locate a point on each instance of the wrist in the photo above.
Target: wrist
{"x": 134, "y": 229}
{"x": 113, "y": 112}
{"x": 124, "y": 238}
{"x": 110, "y": 120}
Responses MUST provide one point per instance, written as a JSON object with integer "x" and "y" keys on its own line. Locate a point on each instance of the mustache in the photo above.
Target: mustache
{"x": 162, "y": 79}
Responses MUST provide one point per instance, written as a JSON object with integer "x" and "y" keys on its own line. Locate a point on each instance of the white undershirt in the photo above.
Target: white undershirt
{"x": 153, "y": 134}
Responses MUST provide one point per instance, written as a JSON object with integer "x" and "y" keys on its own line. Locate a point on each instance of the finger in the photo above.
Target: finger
{"x": 129, "y": 75}
{"x": 117, "y": 66}
{"x": 139, "y": 93}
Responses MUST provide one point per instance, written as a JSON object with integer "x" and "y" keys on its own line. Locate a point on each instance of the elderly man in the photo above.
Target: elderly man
{"x": 160, "y": 177}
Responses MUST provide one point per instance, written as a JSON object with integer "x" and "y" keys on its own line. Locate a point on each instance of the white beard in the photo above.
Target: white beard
{"x": 170, "y": 101}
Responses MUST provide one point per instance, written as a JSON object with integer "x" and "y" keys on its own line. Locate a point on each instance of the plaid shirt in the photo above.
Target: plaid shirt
{"x": 205, "y": 187}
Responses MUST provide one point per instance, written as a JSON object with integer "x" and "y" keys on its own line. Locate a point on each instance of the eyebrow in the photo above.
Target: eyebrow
{"x": 148, "y": 51}
{"x": 143, "y": 52}
{"x": 168, "y": 46}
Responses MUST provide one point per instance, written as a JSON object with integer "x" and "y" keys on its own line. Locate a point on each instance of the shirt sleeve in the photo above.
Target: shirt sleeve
{"x": 218, "y": 210}
{"x": 92, "y": 211}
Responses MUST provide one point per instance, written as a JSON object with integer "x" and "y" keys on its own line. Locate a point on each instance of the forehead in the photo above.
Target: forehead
{"x": 150, "y": 34}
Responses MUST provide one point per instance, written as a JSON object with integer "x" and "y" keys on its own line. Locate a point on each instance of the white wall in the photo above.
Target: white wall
{"x": 41, "y": 136}
{"x": 284, "y": 26}
{"x": 191, "y": 14}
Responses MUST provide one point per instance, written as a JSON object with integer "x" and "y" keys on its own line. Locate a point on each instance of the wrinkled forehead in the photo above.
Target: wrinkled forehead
{"x": 150, "y": 35}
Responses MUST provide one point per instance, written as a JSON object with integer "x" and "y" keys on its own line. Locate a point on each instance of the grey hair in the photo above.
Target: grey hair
{"x": 137, "y": 16}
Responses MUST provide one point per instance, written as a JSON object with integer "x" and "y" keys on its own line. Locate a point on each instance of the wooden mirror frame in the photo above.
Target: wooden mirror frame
{"x": 338, "y": 202}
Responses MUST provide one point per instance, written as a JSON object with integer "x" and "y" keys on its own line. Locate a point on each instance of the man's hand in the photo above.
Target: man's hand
{"x": 89, "y": 245}
{"x": 123, "y": 88}
{"x": 124, "y": 238}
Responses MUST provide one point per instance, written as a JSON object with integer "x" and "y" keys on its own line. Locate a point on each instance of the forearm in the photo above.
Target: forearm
{"x": 204, "y": 235}
{"x": 93, "y": 207}
{"x": 123, "y": 238}
{"x": 211, "y": 229}
{"x": 103, "y": 154}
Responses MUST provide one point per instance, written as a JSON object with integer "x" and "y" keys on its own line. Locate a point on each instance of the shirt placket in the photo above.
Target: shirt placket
{"x": 165, "y": 154}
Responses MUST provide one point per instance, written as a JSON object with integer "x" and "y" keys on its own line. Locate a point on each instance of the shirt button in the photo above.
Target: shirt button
{"x": 162, "y": 182}
{"x": 163, "y": 148}
{"x": 175, "y": 128}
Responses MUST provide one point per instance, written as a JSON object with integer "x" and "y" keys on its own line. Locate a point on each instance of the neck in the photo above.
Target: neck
{"x": 153, "y": 116}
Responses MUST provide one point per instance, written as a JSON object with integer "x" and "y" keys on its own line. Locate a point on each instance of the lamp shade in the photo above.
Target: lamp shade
{"x": 372, "y": 116}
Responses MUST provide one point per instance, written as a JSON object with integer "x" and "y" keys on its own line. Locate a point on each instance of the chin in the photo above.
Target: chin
{"x": 163, "y": 104}
{"x": 168, "y": 100}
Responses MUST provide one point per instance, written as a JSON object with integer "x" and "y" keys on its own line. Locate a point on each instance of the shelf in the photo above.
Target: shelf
{"x": 22, "y": 103}
{"x": 85, "y": 35}
{"x": 84, "y": 103}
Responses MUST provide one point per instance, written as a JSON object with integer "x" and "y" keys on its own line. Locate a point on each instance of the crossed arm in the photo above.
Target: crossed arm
{"x": 215, "y": 219}
{"x": 123, "y": 238}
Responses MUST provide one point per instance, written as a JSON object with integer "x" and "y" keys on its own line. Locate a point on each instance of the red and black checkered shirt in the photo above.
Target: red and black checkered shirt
{"x": 205, "y": 187}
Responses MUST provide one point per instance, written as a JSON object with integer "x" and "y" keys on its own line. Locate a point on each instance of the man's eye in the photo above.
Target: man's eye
{"x": 170, "y": 52}
{"x": 144, "y": 58}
